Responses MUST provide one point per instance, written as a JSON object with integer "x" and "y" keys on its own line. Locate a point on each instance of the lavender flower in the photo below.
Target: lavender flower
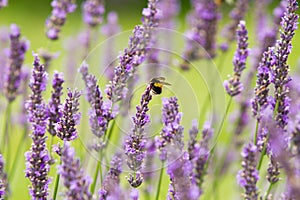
{"x": 93, "y": 11}
{"x": 234, "y": 86}
{"x": 172, "y": 130}
{"x": 193, "y": 139}
{"x": 17, "y": 52}
{"x": 295, "y": 139}
{"x": 47, "y": 57}
{"x": 73, "y": 176}
{"x": 236, "y": 15}
{"x": 134, "y": 194}
{"x": 135, "y": 144}
{"x": 248, "y": 176}
{"x": 179, "y": 170}
{"x": 100, "y": 112}
{"x": 280, "y": 69}
{"x": 3, "y": 179}
{"x": 65, "y": 128}
{"x": 200, "y": 152}
{"x": 135, "y": 54}
{"x": 37, "y": 166}
{"x": 202, "y": 35}
{"x": 273, "y": 171}
{"x": 260, "y": 101}
{"x": 3, "y": 3}
{"x": 111, "y": 28}
{"x": 54, "y": 106}
{"x": 58, "y": 17}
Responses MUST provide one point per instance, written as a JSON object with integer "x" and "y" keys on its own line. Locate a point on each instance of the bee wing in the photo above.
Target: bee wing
{"x": 161, "y": 78}
{"x": 165, "y": 83}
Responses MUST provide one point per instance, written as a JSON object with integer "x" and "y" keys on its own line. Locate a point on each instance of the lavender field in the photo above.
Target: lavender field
{"x": 152, "y": 99}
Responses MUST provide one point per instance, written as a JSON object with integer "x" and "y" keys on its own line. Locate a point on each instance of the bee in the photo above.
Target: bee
{"x": 157, "y": 84}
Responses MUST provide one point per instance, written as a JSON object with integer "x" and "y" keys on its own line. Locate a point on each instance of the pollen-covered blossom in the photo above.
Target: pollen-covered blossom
{"x": 172, "y": 131}
{"x": 73, "y": 176}
{"x": 135, "y": 145}
{"x": 201, "y": 38}
{"x": 237, "y": 14}
{"x": 260, "y": 101}
{"x": 3, "y": 179}
{"x": 93, "y": 11}
{"x": 234, "y": 86}
{"x": 66, "y": 127}
{"x": 135, "y": 54}
{"x": 16, "y": 56}
{"x": 111, "y": 186}
{"x": 248, "y": 176}
{"x": 280, "y": 69}
{"x": 54, "y": 106}
{"x": 99, "y": 114}
{"x": 58, "y": 17}
{"x": 37, "y": 165}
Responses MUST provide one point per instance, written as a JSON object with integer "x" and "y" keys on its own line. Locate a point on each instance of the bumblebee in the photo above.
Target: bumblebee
{"x": 157, "y": 84}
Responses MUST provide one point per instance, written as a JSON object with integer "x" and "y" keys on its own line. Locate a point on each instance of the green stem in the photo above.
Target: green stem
{"x": 256, "y": 132}
{"x": 56, "y": 183}
{"x": 98, "y": 168}
{"x": 18, "y": 153}
{"x": 263, "y": 153}
{"x": 6, "y": 126}
{"x": 160, "y": 180}
{"x": 269, "y": 190}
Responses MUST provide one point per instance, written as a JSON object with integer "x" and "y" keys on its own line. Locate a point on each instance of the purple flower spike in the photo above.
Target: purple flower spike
{"x": 54, "y": 107}
{"x": 201, "y": 41}
{"x": 37, "y": 165}
{"x": 3, "y": 3}
{"x": 65, "y": 128}
{"x": 248, "y": 176}
{"x": 93, "y": 11}
{"x": 260, "y": 101}
{"x": 74, "y": 178}
{"x": 172, "y": 130}
{"x": 16, "y": 56}
{"x": 135, "y": 54}
{"x": 47, "y": 57}
{"x": 236, "y": 15}
{"x": 58, "y": 17}
{"x": 3, "y": 179}
{"x": 111, "y": 186}
{"x": 280, "y": 69}
{"x": 234, "y": 86}
{"x": 135, "y": 145}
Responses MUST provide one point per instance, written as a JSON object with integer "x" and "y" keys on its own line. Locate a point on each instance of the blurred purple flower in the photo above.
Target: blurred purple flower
{"x": 54, "y": 106}
{"x": 135, "y": 54}
{"x": 16, "y": 56}
{"x": 74, "y": 178}
{"x": 110, "y": 29}
{"x": 201, "y": 38}
{"x": 134, "y": 194}
{"x": 111, "y": 186}
{"x": 237, "y": 14}
{"x": 248, "y": 176}
{"x": 135, "y": 145}
{"x": 234, "y": 86}
{"x": 172, "y": 132}
{"x": 47, "y": 57}
{"x": 3, "y": 179}
{"x": 93, "y": 11}
{"x": 65, "y": 128}
{"x": 280, "y": 69}
{"x": 58, "y": 17}
{"x": 37, "y": 165}
{"x": 3, "y": 3}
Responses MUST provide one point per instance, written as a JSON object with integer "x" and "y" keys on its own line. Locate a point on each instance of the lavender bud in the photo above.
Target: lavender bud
{"x": 3, "y": 179}
{"x": 234, "y": 86}
{"x": 58, "y": 17}
{"x": 135, "y": 145}
{"x": 172, "y": 131}
{"x": 273, "y": 171}
{"x": 53, "y": 109}
{"x": 73, "y": 176}
{"x": 93, "y": 11}
{"x": 16, "y": 56}
{"x": 65, "y": 128}
{"x": 47, "y": 57}
{"x": 248, "y": 176}
{"x": 280, "y": 69}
